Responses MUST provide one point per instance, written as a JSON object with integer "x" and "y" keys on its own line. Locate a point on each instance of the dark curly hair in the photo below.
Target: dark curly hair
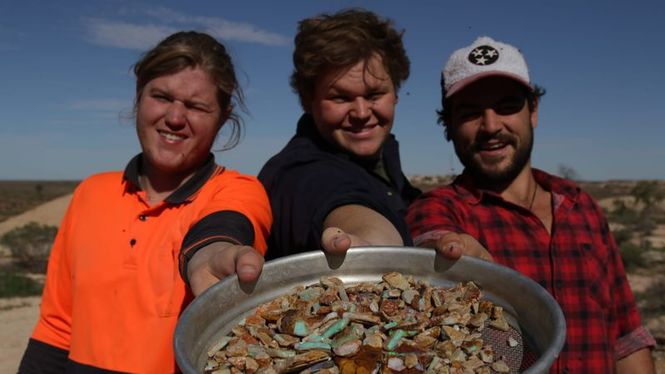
{"x": 342, "y": 40}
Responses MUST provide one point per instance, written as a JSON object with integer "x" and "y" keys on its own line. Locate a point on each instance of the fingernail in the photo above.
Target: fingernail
{"x": 246, "y": 269}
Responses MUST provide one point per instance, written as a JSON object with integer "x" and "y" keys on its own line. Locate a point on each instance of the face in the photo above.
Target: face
{"x": 492, "y": 129}
{"x": 178, "y": 117}
{"x": 354, "y": 108}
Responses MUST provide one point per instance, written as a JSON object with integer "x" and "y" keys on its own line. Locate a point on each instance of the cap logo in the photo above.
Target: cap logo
{"x": 483, "y": 55}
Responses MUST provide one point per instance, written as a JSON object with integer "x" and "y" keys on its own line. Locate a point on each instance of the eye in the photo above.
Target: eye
{"x": 196, "y": 107}
{"x": 161, "y": 97}
{"x": 509, "y": 105}
{"x": 467, "y": 113}
{"x": 339, "y": 99}
{"x": 374, "y": 96}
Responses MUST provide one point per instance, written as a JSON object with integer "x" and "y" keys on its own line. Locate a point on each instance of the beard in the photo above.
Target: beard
{"x": 488, "y": 171}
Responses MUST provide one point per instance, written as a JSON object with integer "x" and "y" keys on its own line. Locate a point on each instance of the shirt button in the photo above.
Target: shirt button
{"x": 142, "y": 217}
{"x": 132, "y": 242}
{"x": 390, "y": 193}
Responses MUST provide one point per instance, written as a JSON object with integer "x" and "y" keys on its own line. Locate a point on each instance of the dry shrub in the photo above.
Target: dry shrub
{"x": 30, "y": 245}
{"x": 653, "y": 300}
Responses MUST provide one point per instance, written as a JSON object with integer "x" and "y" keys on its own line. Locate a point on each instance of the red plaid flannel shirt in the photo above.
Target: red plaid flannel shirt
{"x": 579, "y": 263}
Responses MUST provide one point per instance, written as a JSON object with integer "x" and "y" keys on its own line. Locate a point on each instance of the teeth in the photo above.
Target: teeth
{"x": 491, "y": 147}
{"x": 171, "y": 137}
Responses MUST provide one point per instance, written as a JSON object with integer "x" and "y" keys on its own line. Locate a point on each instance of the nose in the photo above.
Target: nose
{"x": 361, "y": 109}
{"x": 490, "y": 121}
{"x": 176, "y": 114}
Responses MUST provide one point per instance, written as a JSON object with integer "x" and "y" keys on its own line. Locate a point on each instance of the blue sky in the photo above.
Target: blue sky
{"x": 66, "y": 86}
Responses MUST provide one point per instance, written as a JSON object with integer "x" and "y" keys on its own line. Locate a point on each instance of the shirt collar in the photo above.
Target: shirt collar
{"x": 561, "y": 188}
{"x": 184, "y": 192}
{"x": 389, "y": 151}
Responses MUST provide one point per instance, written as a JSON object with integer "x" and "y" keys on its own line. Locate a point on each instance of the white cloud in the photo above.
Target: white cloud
{"x": 243, "y": 32}
{"x": 222, "y": 28}
{"x": 125, "y": 35}
{"x": 142, "y": 36}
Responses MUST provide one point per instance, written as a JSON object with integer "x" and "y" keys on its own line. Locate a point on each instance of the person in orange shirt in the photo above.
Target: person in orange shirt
{"x": 135, "y": 247}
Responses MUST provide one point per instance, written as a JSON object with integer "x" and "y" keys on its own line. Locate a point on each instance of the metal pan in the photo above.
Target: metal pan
{"x": 211, "y": 315}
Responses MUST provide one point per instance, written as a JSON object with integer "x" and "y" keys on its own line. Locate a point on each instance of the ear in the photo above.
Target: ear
{"x": 534, "y": 114}
{"x": 226, "y": 113}
{"x": 306, "y": 104}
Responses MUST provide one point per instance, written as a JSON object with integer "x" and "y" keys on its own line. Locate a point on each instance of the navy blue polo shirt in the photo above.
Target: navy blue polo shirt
{"x": 309, "y": 178}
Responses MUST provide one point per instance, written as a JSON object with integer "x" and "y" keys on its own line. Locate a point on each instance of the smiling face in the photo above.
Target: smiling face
{"x": 354, "y": 108}
{"x": 177, "y": 119}
{"x": 492, "y": 129}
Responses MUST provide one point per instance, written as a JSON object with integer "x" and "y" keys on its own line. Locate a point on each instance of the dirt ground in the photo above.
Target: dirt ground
{"x": 17, "y": 318}
{"x": 19, "y": 315}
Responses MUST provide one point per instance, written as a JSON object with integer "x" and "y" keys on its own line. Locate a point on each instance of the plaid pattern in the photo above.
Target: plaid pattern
{"x": 579, "y": 264}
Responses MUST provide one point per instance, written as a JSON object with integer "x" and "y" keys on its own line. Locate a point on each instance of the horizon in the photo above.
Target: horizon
{"x": 68, "y": 88}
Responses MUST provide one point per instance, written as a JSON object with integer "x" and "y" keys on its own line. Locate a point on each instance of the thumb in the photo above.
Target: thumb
{"x": 335, "y": 241}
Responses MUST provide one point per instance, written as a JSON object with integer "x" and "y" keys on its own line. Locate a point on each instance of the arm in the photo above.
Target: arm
{"x": 40, "y": 357}
{"x": 452, "y": 245}
{"x": 437, "y": 220}
{"x": 636, "y": 362}
{"x": 48, "y": 347}
{"x": 632, "y": 350}
{"x": 219, "y": 260}
{"x": 355, "y": 225}
{"x": 230, "y": 238}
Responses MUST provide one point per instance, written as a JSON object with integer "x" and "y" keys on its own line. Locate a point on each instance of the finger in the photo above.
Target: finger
{"x": 249, "y": 264}
{"x": 201, "y": 280}
{"x": 450, "y": 250}
{"x": 223, "y": 262}
{"x": 335, "y": 241}
{"x": 450, "y": 245}
{"x": 473, "y": 248}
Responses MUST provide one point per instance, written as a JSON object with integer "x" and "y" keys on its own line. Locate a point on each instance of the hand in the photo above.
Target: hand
{"x": 335, "y": 241}
{"x": 453, "y": 245}
{"x": 220, "y": 259}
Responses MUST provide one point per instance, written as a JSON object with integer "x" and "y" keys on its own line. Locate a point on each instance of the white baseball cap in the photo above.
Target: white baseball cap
{"x": 485, "y": 57}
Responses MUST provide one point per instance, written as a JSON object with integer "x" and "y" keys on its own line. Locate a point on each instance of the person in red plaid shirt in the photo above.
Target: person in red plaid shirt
{"x": 503, "y": 210}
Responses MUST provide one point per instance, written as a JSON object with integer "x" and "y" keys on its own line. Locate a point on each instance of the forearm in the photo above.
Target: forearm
{"x": 364, "y": 223}
{"x": 637, "y": 362}
{"x": 219, "y": 260}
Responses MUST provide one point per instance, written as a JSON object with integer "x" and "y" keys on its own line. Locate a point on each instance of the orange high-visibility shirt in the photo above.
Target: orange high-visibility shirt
{"x": 113, "y": 290}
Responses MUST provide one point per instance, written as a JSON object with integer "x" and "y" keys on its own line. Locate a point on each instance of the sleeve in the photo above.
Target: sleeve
{"x": 433, "y": 214}
{"x": 238, "y": 212}
{"x": 631, "y": 335}
{"x": 304, "y": 194}
{"x": 43, "y": 358}
{"x": 53, "y": 327}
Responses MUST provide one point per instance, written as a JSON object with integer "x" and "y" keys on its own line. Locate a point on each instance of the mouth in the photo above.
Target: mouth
{"x": 493, "y": 149}
{"x": 171, "y": 137}
{"x": 361, "y": 131}
{"x": 491, "y": 146}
